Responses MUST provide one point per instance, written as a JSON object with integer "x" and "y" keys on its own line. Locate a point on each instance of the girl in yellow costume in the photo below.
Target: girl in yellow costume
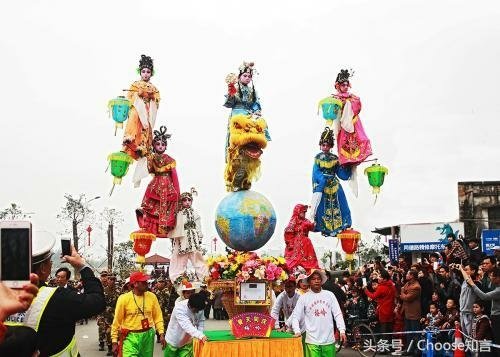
{"x": 138, "y": 137}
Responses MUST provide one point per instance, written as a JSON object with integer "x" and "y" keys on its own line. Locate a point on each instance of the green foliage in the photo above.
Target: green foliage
{"x": 75, "y": 209}
{"x": 123, "y": 259}
{"x": 375, "y": 248}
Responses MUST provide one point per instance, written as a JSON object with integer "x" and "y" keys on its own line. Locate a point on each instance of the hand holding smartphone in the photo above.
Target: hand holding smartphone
{"x": 65, "y": 246}
{"x": 15, "y": 253}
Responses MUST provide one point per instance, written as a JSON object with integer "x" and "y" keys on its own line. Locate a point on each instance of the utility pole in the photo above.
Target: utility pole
{"x": 110, "y": 217}
{"x": 110, "y": 246}
{"x": 75, "y": 234}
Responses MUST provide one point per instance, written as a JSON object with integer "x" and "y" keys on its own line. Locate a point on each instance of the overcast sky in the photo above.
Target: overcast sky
{"x": 427, "y": 73}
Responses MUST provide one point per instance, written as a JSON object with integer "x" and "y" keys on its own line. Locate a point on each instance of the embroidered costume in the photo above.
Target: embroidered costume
{"x": 299, "y": 250}
{"x": 187, "y": 241}
{"x": 159, "y": 205}
{"x": 343, "y": 110}
{"x": 247, "y": 133}
{"x": 137, "y": 138}
{"x": 329, "y": 207}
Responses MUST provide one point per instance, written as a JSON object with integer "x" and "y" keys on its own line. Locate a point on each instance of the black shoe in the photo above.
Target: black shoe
{"x": 110, "y": 353}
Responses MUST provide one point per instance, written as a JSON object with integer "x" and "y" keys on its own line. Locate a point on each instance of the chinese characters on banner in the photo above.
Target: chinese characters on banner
{"x": 394, "y": 250}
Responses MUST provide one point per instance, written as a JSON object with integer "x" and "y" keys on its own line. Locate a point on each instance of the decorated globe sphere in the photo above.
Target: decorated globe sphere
{"x": 245, "y": 220}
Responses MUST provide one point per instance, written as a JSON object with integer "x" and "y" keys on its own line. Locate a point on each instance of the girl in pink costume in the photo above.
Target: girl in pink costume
{"x": 353, "y": 144}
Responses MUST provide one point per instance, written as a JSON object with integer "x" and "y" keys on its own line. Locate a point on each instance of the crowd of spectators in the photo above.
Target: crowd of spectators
{"x": 459, "y": 287}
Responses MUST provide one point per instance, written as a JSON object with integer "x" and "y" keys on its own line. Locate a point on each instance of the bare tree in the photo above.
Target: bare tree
{"x": 110, "y": 217}
{"x": 76, "y": 210}
{"x": 13, "y": 212}
{"x": 124, "y": 257}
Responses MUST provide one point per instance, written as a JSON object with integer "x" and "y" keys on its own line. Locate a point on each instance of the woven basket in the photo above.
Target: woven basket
{"x": 228, "y": 287}
{"x": 225, "y": 285}
{"x": 232, "y": 309}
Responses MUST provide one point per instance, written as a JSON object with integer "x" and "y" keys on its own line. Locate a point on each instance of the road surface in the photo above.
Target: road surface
{"x": 89, "y": 346}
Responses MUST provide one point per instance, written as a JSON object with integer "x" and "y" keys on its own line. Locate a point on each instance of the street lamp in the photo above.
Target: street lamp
{"x": 92, "y": 199}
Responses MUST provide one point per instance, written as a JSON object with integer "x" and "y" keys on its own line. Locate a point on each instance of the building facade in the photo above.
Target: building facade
{"x": 479, "y": 206}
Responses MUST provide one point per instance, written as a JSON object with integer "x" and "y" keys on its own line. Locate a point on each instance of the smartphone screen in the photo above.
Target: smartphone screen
{"x": 66, "y": 246}
{"x": 15, "y": 254}
{"x": 364, "y": 281}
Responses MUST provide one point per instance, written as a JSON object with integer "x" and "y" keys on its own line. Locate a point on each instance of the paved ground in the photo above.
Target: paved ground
{"x": 88, "y": 342}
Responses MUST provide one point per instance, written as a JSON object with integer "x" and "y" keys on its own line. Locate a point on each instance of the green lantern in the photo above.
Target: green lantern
{"x": 119, "y": 162}
{"x": 376, "y": 174}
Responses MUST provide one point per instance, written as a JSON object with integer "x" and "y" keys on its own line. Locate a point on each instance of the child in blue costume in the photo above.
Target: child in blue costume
{"x": 330, "y": 210}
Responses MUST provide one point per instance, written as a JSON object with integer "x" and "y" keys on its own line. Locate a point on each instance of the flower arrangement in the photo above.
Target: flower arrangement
{"x": 244, "y": 266}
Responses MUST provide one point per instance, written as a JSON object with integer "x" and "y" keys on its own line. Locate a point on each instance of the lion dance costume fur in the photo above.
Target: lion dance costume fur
{"x": 247, "y": 139}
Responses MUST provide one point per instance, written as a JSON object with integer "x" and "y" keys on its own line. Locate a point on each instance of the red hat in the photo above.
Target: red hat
{"x": 137, "y": 276}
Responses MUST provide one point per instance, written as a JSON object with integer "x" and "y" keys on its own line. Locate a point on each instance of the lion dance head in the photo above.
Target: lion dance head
{"x": 247, "y": 139}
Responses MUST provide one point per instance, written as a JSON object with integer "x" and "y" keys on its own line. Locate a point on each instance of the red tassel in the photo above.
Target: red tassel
{"x": 232, "y": 89}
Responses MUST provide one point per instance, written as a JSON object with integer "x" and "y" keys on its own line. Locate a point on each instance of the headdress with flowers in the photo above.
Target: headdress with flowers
{"x": 189, "y": 194}
{"x": 161, "y": 135}
{"x": 146, "y": 62}
{"x": 344, "y": 75}
{"x": 247, "y": 67}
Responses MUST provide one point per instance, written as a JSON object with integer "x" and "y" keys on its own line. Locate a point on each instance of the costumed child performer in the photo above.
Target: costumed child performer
{"x": 157, "y": 214}
{"x": 187, "y": 240}
{"x": 329, "y": 208}
{"x": 138, "y": 136}
{"x": 299, "y": 250}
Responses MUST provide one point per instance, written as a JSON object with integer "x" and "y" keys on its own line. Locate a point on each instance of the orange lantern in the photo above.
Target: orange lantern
{"x": 349, "y": 238}
{"x": 142, "y": 244}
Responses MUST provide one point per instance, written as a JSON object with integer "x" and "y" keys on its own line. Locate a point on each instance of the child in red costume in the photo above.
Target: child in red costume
{"x": 299, "y": 250}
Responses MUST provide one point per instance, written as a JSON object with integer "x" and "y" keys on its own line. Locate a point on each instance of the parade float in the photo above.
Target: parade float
{"x": 245, "y": 219}
{"x": 246, "y": 280}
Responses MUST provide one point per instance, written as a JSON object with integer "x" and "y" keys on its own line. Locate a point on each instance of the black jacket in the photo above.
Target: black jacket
{"x": 65, "y": 308}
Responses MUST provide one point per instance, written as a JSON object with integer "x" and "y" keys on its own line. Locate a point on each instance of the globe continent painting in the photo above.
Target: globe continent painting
{"x": 245, "y": 220}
